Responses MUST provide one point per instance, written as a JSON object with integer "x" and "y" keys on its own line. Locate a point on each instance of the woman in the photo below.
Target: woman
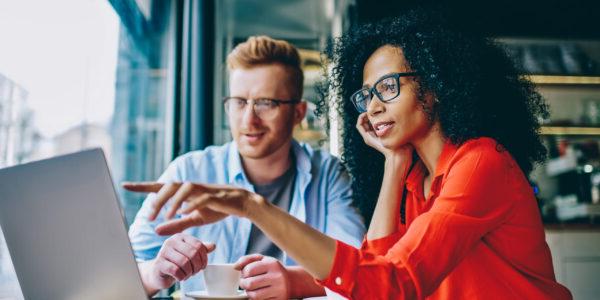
{"x": 455, "y": 217}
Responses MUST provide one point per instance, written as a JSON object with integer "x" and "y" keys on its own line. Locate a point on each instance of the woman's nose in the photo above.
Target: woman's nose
{"x": 375, "y": 106}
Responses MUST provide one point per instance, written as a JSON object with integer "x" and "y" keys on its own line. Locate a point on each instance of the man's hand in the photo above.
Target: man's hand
{"x": 180, "y": 257}
{"x": 263, "y": 277}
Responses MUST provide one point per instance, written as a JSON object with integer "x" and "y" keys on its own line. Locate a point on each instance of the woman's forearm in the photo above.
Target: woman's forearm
{"x": 386, "y": 215}
{"x": 310, "y": 248}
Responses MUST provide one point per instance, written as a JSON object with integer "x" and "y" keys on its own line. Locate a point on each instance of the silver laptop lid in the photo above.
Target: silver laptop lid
{"x": 65, "y": 231}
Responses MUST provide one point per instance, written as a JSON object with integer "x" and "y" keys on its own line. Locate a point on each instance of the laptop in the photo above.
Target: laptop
{"x": 65, "y": 230}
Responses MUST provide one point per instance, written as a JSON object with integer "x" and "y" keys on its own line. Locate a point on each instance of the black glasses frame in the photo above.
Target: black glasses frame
{"x": 372, "y": 90}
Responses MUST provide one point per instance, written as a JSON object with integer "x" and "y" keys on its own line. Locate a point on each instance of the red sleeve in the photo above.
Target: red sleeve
{"x": 357, "y": 274}
{"x": 381, "y": 246}
{"x": 474, "y": 200}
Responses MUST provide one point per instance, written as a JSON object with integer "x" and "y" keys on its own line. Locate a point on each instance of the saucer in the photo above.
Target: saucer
{"x": 203, "y": 295}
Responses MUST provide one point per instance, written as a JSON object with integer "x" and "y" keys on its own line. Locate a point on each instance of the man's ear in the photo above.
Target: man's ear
{"x": 299, "y": 112}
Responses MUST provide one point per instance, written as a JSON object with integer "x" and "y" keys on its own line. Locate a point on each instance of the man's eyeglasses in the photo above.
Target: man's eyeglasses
{"x": 386, "y": 89}
{"x": 264, "y": 108}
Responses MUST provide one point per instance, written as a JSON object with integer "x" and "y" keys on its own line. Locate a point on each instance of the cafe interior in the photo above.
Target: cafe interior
{"x": 144, "y": 80}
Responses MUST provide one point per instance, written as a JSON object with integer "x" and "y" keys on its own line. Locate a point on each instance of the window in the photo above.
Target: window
{"x": 79, "y": 74}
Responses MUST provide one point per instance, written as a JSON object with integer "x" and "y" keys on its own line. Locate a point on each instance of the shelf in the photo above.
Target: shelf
{"x": 556, "y": 130}
{"x": 572, "y": 226}
{"x": 308, "y": 134}
{"x": 564, "y": 80}
{"x": 310, "y": 56}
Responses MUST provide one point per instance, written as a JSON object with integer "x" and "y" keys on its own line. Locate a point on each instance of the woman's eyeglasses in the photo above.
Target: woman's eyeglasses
{"x": 386, "y": 89}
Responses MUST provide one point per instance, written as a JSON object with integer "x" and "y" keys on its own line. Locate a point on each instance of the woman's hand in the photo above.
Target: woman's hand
{"x": 400, "y": 157}
{"x": 205, "y": 203}
{"x": 397, "y": 165}
{"x": 368, "y": 134}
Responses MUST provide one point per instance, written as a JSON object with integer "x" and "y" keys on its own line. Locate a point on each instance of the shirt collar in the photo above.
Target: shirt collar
{"x": 447, "y": 153}
{"x": 235, "y": 163}
{"x": 236, "y": 170}
{"x": 415, "y": 177}
{"x": 414, "y": 180}
{"x": 303, "y": 157}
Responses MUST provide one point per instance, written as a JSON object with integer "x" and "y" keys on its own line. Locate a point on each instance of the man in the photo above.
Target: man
{"x": 264, "y": 105}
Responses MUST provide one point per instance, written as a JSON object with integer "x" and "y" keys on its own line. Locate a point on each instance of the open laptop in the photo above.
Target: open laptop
{"x": 65, "y": 230}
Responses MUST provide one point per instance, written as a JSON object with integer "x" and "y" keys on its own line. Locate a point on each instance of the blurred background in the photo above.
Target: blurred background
{"x": 144, "y": 79}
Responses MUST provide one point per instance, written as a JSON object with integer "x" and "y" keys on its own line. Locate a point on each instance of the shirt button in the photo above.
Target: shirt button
{"x": 338, "y": 281}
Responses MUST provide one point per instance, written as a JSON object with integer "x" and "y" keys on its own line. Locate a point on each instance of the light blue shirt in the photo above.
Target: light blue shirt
{"x": 322, "y": 198}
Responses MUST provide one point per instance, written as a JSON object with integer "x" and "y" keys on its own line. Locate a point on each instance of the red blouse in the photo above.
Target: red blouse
{"x": 478, "y": 235}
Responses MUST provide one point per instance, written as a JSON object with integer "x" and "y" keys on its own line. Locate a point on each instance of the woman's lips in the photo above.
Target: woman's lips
{"x": 382, "y": 128}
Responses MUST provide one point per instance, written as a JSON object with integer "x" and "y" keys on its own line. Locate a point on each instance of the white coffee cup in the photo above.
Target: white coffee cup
{"x": 221, "y": 280}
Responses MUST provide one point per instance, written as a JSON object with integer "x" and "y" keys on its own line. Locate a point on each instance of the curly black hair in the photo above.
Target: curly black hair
{"x": 480, "y": 91}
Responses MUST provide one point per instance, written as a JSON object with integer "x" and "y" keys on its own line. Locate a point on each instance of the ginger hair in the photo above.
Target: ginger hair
{"x": 263, "y": 50}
